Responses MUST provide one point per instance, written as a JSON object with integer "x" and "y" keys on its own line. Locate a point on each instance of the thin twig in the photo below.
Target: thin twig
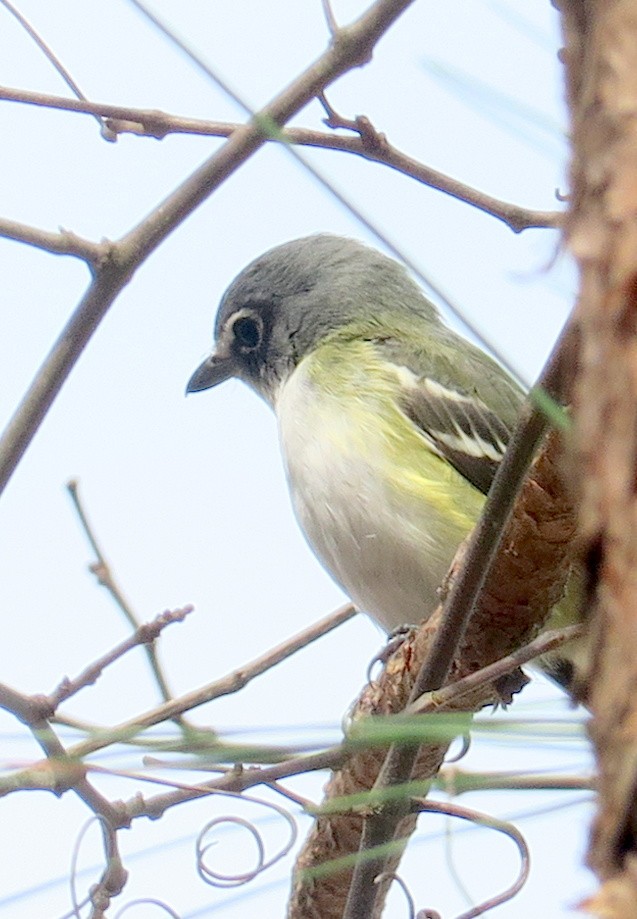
{"x": 63, "y": 243}
{"x": 353, "y": 47}
{"x": 154, "y": 762}
{"x": 331, "y": 758}
{"x": 231, "y": 683}
{"x": 274, "y": 132}
{"x": 53, "y": 59}
{"x": 145, "y": 635}
{"x": 516, "y": 218}
{"x": 60, "y": 772}
{"x": 451, "y": 810}
{"x": 102, "y": 571}
{"x": 330, "y": 18}
{"x": 113, "y": 877}
{"x": 367, "y": 143}
{"x": 449, "y": 695}
{"x": 237, "y": 781}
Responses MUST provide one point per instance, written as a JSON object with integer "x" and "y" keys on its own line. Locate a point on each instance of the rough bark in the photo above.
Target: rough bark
{"x": 601, "y": 69}
{"x": 528, "y": 579}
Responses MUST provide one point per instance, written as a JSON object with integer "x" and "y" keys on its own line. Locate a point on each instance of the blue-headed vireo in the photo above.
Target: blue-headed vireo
{"x": 391, "y": 425}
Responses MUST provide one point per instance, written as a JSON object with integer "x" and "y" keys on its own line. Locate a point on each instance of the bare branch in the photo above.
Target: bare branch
{"x": 60, "y": 772}
{"x": 55, "y": 61}
{"x": 145, "y": 634}
{"x": 63, "y": 243}
{"x": 368, "y": 144}
{"x": 453, "y": 692}
{"x": 330, "y": 18}
{"x": 476, "y": 567}
{"x": 44, "y": 48}
{"x": 114, "y": 875}
{"x": 102, "y": 571}
{"x": 231, "y": 683}
{"x": 352, "y": 47}
{"x": 501, "y": 826}
{"x": 237, "y": 781}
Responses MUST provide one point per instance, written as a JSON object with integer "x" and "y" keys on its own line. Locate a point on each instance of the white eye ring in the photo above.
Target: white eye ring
{"x": 247, "y": 329}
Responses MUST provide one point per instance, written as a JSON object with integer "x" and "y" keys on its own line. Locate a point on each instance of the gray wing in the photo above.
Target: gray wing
{"x": 460, "y": 428}
{"x": 464, "y": 403}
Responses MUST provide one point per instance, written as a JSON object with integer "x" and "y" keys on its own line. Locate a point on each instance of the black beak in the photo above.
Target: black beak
{"x": 215, "y": 369}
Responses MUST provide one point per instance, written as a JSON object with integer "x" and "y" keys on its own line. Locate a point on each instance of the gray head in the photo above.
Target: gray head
{"x": 292, "y": 297}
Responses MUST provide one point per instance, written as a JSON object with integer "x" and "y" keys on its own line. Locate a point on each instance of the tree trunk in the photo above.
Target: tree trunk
{"x": 601, "y": 69}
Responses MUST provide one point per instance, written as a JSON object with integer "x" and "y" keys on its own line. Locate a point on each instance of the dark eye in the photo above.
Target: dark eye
{"x": 248, "y": 331}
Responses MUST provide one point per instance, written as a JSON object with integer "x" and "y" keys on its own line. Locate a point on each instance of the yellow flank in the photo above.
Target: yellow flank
{"x": 366, "y": 390}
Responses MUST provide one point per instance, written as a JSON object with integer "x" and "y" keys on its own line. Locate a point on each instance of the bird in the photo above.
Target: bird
{"x": 391, "y": 424}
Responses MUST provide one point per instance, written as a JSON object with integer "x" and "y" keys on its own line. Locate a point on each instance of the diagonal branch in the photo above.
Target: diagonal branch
{"x": 102, "y": 571}
{"x": 231, "y": 683}
{"x": 463, "y": 599}
{"x": 63, "y": 772}
{"x": 145, "y": 634}
{"x": 351, "y": 47}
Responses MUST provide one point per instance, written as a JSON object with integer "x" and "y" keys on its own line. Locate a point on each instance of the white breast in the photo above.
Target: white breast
{"x": 388, "y": 552}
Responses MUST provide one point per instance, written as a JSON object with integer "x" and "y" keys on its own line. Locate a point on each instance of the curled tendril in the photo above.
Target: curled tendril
{"x": 148, "y": 901}
{"x": 75, "y": 911}
{"x": 113, "y": 876}
{"x": 216, "y": 878}
{"x": 501, "y": 826}
{"x": 390, "y": 876}
{"x": 77, "y": 904}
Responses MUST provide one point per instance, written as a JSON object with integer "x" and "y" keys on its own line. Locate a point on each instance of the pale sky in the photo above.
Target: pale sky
{"x": 188, "y": 497}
